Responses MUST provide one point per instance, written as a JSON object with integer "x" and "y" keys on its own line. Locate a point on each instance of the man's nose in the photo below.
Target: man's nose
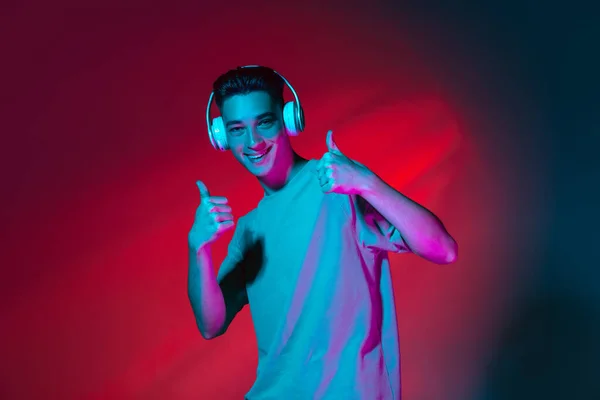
{"x": 253, "y": 138}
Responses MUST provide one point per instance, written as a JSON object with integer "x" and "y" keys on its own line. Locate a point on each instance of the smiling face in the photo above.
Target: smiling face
{"x": 256, "y": 134}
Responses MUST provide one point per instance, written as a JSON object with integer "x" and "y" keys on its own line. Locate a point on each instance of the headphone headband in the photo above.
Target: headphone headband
{"x": 298, "y": 114}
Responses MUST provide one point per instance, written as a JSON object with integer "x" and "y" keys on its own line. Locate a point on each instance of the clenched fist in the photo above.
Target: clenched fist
{"x": 213, "y": 217}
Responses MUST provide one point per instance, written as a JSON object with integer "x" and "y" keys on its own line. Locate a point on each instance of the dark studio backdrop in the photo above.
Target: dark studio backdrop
{"x": 485, "y": 113}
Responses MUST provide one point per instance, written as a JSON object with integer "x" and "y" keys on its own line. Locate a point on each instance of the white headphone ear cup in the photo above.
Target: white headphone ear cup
{"x": 289, "y": 118}
{"x": 218, "y": 134}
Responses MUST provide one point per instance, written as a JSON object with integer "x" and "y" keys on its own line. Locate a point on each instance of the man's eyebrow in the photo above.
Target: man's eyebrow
{"x": 260, "y": 116}
{"x": 229, "y": 123}
{"x": 266, "y": 114}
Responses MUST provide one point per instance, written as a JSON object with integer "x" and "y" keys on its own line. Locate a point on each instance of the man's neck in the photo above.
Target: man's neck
{"x": 275, "y": 184}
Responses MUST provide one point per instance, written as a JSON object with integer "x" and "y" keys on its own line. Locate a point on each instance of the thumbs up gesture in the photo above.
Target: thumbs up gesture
{"x": 338, "y": 173}
{"x": 213, "y": 217}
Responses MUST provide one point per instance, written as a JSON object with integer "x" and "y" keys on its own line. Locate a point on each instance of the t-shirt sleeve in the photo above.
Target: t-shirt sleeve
{"x": 374, "y": 231}
{"x": 231, "y": 274}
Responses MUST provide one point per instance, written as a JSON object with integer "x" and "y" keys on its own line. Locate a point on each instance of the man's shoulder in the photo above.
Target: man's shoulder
{"x": 245, "y": 221}
{"x": 248, "y": 216}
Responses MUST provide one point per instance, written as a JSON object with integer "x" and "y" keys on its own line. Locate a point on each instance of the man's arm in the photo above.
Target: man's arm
{"x": 205, "y": 295}
{"x": 215, "y": 300}
{"x": 421, "y": 230}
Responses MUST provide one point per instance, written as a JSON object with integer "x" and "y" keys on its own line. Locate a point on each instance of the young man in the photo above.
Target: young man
{"x": 311, "y": 259}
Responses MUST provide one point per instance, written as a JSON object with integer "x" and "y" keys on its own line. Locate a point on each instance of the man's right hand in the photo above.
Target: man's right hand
{"x": 213, "y": 217}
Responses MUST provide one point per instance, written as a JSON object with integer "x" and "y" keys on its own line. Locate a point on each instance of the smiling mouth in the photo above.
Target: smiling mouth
{"x": 259, "y": 156}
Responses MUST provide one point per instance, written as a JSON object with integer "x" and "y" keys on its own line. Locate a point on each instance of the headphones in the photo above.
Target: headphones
{"x": 293, "y": 117}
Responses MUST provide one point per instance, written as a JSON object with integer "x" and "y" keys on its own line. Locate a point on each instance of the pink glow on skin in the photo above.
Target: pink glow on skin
{"x": 255, "y": 126}
{"x": 423, "y": 232}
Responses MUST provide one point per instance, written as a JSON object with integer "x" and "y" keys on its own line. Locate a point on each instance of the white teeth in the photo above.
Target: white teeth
{"x": 259, "y": 156}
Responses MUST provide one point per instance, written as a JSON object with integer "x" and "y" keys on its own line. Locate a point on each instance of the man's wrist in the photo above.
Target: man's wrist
{"x": 197, "y": 248}
{"x": 368, "y": 182}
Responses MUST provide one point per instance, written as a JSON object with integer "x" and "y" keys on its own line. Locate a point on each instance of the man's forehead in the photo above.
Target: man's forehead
{"x": 247, "y": 106}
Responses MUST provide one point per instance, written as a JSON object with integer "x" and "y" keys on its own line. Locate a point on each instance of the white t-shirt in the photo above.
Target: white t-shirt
{"x": 314, "y": 269}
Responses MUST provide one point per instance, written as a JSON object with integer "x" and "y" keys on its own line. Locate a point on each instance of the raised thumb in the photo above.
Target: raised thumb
{"x": 203, "y": 189}
{"x": 331, "y": 146}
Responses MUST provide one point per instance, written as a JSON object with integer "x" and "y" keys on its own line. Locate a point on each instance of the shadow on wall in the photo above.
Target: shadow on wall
{"x": 550, "y": 350}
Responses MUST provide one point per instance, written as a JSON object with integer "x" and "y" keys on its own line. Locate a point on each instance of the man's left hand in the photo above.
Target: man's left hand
{"x": 340, "y": 174}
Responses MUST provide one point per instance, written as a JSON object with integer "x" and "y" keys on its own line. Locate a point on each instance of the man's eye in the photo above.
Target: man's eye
{"x": 266, "y": 122}
{"x": 235, "y": 129}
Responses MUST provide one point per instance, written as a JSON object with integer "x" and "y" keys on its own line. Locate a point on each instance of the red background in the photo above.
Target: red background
{"x": 105, "y": 138}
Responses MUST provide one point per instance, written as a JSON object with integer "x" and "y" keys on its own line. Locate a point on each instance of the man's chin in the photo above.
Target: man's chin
{"x": 258, "y": 170}
{"x": 262, "y": 168}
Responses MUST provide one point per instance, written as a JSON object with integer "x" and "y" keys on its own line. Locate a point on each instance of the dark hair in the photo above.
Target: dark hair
{"x": 246, "y": 80}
